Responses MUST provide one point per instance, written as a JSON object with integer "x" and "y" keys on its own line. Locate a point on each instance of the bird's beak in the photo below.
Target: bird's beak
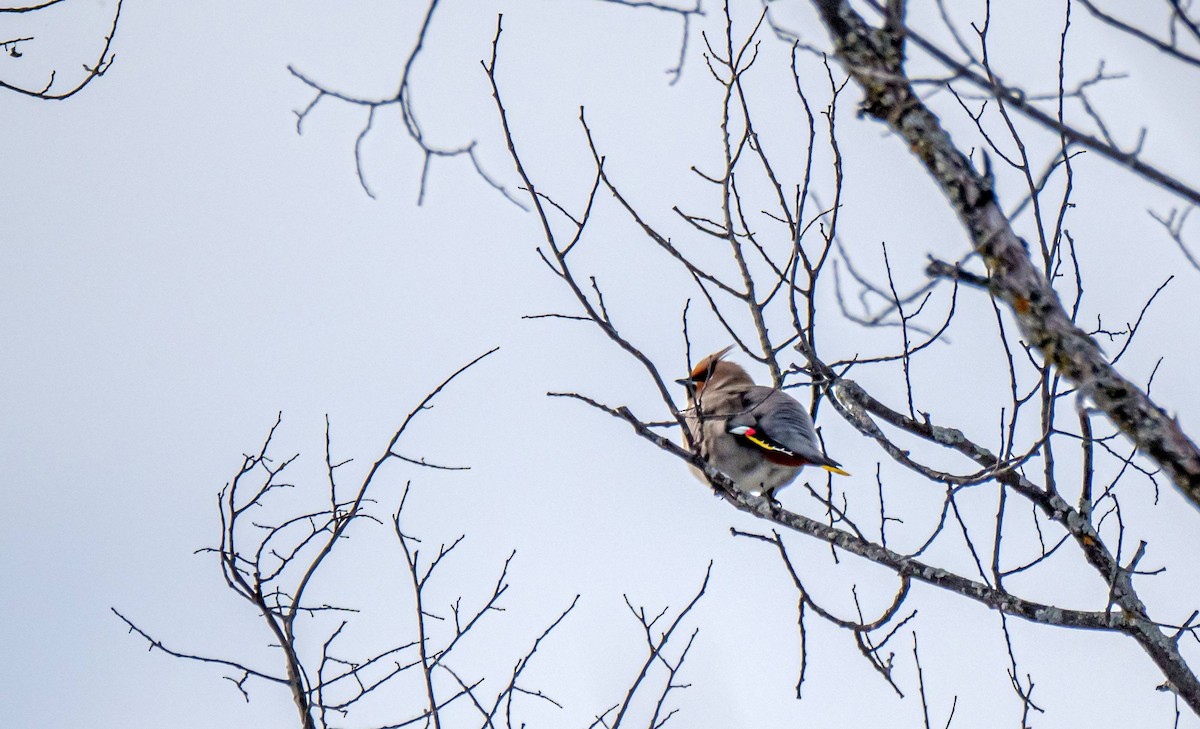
{"x": 690, "y": 386}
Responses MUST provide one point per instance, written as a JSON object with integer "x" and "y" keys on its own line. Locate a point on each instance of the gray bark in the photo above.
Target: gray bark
{"x": 874, "y": 59}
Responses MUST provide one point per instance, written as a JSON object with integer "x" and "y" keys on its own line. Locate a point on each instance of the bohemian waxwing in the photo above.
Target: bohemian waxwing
{"x": 758, "y": 436}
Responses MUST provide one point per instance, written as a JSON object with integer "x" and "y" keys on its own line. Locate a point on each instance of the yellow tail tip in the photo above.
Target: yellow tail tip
{"x": 835, "y": 469}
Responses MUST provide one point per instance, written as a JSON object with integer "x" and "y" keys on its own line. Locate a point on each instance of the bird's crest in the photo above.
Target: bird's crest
{"x": 705, "y": 367}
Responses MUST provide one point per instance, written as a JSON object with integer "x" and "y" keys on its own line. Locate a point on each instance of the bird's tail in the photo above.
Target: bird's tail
{"x": 833, "y": 467}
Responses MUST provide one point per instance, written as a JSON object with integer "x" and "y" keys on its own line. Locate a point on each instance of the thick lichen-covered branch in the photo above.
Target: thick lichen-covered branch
{"x": 1013, "y": 278}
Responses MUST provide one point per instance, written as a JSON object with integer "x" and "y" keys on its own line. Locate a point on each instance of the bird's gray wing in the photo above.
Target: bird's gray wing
{"x": 779, "y": 419}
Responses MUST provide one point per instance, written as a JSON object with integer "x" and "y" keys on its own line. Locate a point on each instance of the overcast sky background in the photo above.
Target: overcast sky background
{"x": 177, "y": 265}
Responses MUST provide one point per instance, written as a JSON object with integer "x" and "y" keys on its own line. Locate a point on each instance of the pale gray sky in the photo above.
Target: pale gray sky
{"x": 177, "y": 265}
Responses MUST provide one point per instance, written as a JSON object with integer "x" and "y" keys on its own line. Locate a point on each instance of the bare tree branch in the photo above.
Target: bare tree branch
{"x": 103, "y": 62}
{"x": 1012, "y": 277}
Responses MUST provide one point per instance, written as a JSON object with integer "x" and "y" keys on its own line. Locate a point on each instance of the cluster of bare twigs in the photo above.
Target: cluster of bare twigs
{"x": 780, "y": 240}
{"x": 403, "y": 99}
{"x": 270, "y": 558}
{"x": 11, "y": 47}
{"x": 271, "y": 562}
{"x": 656, "y": 656}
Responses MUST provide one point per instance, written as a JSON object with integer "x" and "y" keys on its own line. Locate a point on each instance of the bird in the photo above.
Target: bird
{"x": 760, "y": 437}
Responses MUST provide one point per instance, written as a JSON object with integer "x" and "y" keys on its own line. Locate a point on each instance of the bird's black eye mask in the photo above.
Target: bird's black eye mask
{"x": 701, "y": 373}
{"x": 695, "y": 381}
